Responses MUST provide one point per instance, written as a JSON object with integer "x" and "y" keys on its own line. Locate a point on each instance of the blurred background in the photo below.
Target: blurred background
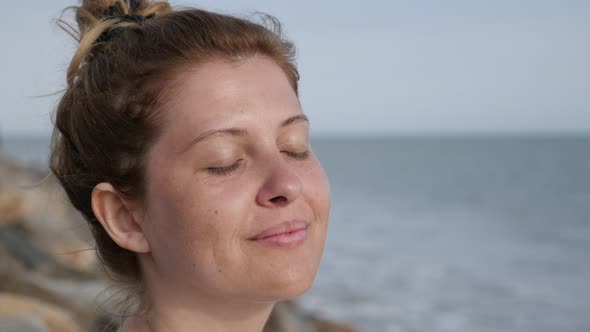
{"x": 456, "y": 136}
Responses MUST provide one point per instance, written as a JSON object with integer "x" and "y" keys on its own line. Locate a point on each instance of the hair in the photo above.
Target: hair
{"x": 130, "y": 57}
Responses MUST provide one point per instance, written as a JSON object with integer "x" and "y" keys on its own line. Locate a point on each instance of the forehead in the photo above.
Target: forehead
{"x": 220, "y": 91}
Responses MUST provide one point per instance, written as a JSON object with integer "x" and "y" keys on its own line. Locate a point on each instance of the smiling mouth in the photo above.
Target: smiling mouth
{"x": 287, "y": 234}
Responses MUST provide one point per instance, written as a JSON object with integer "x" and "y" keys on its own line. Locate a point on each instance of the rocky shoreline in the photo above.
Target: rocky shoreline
{"x": 50, "y": 277}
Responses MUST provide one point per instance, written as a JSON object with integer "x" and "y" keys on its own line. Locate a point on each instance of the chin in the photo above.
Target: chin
{"x": 297, "y": 290}
{"x": 290, "y": 284}
{"x": 290, "y": 275}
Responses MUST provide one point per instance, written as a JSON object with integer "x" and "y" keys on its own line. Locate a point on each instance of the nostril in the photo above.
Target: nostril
{"x": 279, "y": 199}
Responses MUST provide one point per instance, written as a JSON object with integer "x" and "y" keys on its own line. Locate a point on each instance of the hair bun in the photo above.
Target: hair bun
{"x": 97, "y": 7}
{"x": 96, "y": 19}
{"x": 92, "y": 11}
{"x": 102, "y": 8}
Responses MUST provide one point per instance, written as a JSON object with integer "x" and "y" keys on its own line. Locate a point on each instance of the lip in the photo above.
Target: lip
{"x": 286, "y": 233}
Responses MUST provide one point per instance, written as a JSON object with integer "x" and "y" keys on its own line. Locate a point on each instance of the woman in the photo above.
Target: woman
{"x": 181, "y": 139}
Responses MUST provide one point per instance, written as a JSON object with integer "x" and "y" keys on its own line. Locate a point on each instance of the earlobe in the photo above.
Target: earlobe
{"x": 117, "y": 219}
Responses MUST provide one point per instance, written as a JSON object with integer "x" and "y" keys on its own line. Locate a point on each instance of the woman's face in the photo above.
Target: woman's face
{"x": 233, "y": 161}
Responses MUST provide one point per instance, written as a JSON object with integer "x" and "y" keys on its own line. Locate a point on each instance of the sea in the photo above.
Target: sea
{"x": 450, "y": 233}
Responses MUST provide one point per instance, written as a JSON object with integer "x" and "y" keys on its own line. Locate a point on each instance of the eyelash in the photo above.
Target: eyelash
{"x": 298, "y": 155}
{"x": 226, "y": 170}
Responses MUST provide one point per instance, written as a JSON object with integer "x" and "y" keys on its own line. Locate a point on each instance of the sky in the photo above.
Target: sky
{"x": 368, "y": 67}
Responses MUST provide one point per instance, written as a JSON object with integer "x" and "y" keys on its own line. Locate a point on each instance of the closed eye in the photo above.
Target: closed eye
{"x": 298, "y": 155}
{"x": 225, "y": 170}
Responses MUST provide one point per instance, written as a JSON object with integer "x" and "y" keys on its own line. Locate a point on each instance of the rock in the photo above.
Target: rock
{"x": 76, "y": 255}
{"x": 80, "y": 295}
{"x": 15, "y": 242}
{"x": 19, "y": 284}
{"x": 46, "y": 217}
{"x": 328, "y": 326}
{"x": 9, "y": 263}
{"x": 11, "y": 206}
{"x": 22, "y": 322}
{"x": 17, "y": 245}
{"x": 286, "y": 317}
{"x": 53, "y": 225}
{"x": 55, "y": 319}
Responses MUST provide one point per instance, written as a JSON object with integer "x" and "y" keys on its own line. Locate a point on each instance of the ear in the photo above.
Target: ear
{"x": 118, "y": 219}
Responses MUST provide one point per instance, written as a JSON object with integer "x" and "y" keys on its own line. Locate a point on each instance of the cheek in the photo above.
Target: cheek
{"x": 194, "y": 212}
{"x": 192, "y": 229}
{"x": 318, "y": 190}
{"x": 177, "y": 214}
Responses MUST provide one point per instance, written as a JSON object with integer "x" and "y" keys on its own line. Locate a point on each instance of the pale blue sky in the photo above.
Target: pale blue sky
{"x": 370, "y": 66}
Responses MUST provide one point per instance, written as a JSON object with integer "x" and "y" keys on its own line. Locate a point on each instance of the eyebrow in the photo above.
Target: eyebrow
{"x": 242, "y": 131}
{"x": 295, "y": 119}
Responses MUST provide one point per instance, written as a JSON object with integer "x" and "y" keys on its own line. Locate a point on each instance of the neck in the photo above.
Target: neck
{"x": 172, "y": 316}
{"x": 174, "y": 309}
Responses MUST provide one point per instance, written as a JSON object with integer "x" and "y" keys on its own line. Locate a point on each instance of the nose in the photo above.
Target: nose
{"x": 282, "y": 185}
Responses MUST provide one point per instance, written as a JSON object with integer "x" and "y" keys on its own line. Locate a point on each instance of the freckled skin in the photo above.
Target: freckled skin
{"x": 198, "y": 224}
